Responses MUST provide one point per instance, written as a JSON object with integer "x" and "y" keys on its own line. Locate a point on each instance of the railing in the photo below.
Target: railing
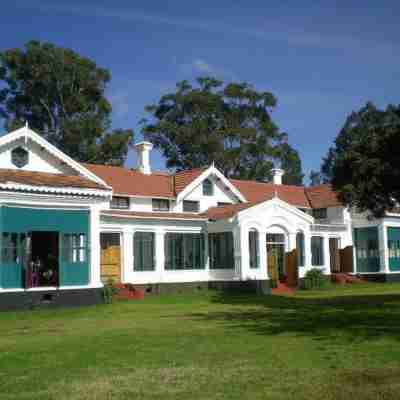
{"x": 329, "y": 227}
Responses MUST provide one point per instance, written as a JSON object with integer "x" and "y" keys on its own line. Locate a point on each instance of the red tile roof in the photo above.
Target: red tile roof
{"x": 259, "y": 191}
{"x": 134, "y": 183}
{"x": 35, "y": 178}
{"x": 184, "y": 178}
{"x": 228, "y": 211}
{"x": 160, "y": 184}
{"x": 322, "y": 196}
{"x": 154, "y": 215}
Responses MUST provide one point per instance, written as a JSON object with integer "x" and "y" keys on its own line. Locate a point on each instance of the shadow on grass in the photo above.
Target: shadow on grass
{"x": 351, "y": 318}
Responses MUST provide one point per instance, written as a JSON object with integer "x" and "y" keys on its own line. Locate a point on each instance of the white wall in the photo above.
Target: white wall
{"x": 127, "y": 229}
{"x": 39, "y": 159}
{"x": 205, "y": 202}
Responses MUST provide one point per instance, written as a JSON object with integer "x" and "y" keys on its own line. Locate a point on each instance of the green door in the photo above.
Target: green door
{"x": 394, "y": 248}
{"x": 367, "y": 249}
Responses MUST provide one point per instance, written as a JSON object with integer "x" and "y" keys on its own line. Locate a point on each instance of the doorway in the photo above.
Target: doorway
{"x": 276, "y": 256}
{"x": 334, "y": 253}
{"x": 42, "y": 259}
{"x": 110, "y": 257}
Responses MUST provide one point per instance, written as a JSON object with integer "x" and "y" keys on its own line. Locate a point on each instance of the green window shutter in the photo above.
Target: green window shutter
{"x": 317, "y": 251}
{"x": 253, "y": 249}
{"x": 144, "y": 251}
{"x": 300, "y": 249}
{"x": 222, "y": 250}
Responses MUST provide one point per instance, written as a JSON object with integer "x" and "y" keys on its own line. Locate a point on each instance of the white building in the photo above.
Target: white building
{"x": 67, "y": 227}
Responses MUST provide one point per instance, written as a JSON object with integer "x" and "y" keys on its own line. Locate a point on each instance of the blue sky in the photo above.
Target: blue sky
{"x": 321, "y": 59}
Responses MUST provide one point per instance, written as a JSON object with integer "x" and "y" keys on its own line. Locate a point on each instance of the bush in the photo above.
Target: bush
{"x": 109, "y": 290}
{"x": 315, "y": 279}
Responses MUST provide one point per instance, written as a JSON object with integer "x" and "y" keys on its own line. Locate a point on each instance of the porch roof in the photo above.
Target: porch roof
{"x": 45, "y": 179}
{"x": 154, "y": 215}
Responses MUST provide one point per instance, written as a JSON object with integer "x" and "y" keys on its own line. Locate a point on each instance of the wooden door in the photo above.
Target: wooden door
{"x": 334, "y": 254}
{"x": 272, "y": 263}
{"x": 346, "y": 259}
{"x": 110, "y": 257}
{"x": 292, "y": 270}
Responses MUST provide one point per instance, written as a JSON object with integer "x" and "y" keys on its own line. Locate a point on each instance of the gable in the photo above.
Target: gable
{"x": 39, "y": 160}
{"x": 192, "y": 179}
{"x": 42, "y": 156}
{"x": 221, "y": 194}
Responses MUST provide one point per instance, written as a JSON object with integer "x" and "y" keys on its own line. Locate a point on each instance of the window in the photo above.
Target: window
{"x": 208, "y": 188}
{"x": 120, "y": 203}
{"x": 74, "y": 247}
{"x": 221, "y": 250}
{"x": 253, "y": 249}
{"x": 319, "y": 213}
{"x": 317, "y": 250}
{"x": 19, "y": 157}
{"x": 222, "y": 204}
{"x": 190, "y": 206}
{"x": 143, "y": 251}
{"x": 160, "y": 205}
{"x": 276, "y": 238}
{"x": 300, "y": 249}
{"x": 184, "y": 251}
{"x": 9, "y": 248}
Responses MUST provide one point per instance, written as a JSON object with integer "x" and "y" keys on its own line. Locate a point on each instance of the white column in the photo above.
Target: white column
{"x": 262, "y": 242}
{"x": 160, "y": 253}
{"x": 383, "y": 248}
{"x": 291, "y": 242}
{"x": 95, "y": 273}
{"x": 327, "y": 255}
{"x": 238, "y": 252}
{"x": 307, "y": 250}
{"x": 127, "y": 256}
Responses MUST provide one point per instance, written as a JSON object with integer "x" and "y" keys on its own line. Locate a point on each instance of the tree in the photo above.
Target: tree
{"x": 61, "y": 95}
{"x": 364, "y": 162}
{"x": 228, "y": 124}
{"x": 291, "y": 164}
{"x": 315, "y": 178}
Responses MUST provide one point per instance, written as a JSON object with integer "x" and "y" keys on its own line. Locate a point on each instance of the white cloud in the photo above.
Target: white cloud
{"x": 268, "y": 31}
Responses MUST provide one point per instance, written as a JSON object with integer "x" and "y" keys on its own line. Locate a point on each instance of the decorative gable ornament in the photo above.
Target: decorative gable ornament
{"x": 19, "y": 157}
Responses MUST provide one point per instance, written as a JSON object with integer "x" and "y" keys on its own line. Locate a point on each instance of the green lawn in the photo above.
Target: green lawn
{"x": 342, "y": 343}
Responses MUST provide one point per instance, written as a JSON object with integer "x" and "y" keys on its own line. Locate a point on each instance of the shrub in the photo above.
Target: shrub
{"x": 315, "y": 279}
{"x": 109, "y": 290}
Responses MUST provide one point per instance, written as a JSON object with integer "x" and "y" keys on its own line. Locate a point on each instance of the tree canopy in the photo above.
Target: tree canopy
{"x": 61, "y": 95}
{"x": 230, "y": 125}
{"x": 364, "y": 163}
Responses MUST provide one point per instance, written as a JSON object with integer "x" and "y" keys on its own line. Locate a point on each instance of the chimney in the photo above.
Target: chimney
{"x": 143, "y": 157}
{"x": 277, "y": 174}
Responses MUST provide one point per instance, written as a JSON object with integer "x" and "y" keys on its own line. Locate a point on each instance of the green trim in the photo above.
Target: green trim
{"x": 221, "y": 250}
{"x": 184, "y": 251}
{"x": 144, "y": 251}
{"x": 366, "y": 245}
{"x": 21, "y": 220}
{"x": 393, "y": 243}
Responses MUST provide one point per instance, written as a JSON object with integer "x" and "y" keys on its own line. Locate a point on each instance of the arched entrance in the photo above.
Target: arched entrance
{"x": 276, "y": 244}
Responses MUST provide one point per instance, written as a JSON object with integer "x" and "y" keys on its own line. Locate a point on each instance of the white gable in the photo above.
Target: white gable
{"x": 38, "y": 158}
{"x": 275, "y": 213}
{"x": 43, "y": 156}
{"x": 216, "y": 176}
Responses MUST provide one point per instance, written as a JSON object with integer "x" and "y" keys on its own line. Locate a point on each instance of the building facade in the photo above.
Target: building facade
{"x": 67, "y": 228}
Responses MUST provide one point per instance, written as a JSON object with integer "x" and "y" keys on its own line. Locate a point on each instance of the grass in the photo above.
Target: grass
{"x": 340, "y": 343}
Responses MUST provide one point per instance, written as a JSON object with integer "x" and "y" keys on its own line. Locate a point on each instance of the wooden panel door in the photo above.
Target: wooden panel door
{"x": 346, "y": 259}
{"x": 292, "y": 270}
{"x": 334, "y": 254}
{"x": 110, "y": 257}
